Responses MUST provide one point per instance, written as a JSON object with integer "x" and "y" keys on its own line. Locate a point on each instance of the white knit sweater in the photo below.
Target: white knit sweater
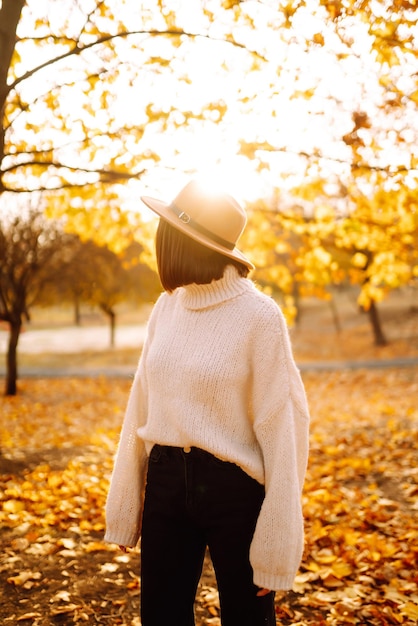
{"x": 217, "y": 372}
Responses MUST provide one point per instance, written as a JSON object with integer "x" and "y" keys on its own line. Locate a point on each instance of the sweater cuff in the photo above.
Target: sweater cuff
{"x": 274, "y": 583}
{"x": 121, "y": 538}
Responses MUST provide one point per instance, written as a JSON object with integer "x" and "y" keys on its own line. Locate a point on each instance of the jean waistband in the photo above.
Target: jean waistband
{"x": 188, "y": 450}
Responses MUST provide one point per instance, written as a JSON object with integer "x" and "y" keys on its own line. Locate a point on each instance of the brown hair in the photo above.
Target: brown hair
{"x": 182, "y": 261}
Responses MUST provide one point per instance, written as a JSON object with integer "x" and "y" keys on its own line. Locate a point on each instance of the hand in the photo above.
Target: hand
{"x": 263, "y": 592}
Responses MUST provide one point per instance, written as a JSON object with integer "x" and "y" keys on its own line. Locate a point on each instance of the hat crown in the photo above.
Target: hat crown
{"x": 212, "y": 218}
{"x": 216, "y": 212}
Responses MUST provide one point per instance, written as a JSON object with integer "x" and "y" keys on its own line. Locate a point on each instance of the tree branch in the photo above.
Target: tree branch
{"x": 57, "y": 165}
{"x": 389, "y": 169}
{"x": 105, "y": 177}
{"x": 79, "y": 49}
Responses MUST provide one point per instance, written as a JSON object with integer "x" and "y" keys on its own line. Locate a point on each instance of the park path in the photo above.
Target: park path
{"x": 73, "y": 340}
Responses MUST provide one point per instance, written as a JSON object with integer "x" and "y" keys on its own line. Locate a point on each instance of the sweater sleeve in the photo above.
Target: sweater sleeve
{"x": 281, "y": 424}
{"x": 127, "y": 486}
{"x": 124, "y": 500}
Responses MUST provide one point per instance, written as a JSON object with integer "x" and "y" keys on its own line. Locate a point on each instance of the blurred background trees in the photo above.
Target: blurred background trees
{"x": 95, "y": 275}
{"x": 307, "y": 112}
{"x": 42, "y": 265}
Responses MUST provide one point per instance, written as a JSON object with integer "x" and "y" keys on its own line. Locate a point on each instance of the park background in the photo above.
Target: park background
{"x": 307, "y": 113}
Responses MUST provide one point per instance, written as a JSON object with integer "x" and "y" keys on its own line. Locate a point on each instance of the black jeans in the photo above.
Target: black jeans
{"x": 193, "y": 501}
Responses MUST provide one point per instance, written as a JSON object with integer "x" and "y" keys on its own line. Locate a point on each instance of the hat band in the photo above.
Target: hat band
{"x": 186, "y": 219}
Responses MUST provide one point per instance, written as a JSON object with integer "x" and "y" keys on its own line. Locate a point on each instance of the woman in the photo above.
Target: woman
{"x": 214, "y": 444}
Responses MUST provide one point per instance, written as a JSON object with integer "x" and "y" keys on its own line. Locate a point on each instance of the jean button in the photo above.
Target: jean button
{"x": 187, "y": 449}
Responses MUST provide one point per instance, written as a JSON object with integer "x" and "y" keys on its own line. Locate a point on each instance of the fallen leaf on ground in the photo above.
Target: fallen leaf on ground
{"x": 360, "y": 504}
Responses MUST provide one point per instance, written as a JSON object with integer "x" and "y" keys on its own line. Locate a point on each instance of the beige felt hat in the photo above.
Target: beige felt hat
{"x": 213, "y": 219}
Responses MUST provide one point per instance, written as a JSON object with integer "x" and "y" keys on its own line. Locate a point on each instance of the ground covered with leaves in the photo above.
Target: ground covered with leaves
{"x": 360, "y": 500}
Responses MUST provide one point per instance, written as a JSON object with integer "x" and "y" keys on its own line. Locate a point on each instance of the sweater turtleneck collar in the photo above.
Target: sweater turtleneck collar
{"x": 231, "y": 285}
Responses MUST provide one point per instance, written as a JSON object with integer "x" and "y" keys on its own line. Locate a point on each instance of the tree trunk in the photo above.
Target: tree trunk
{"x": 112, "y": 316}
{"x": 379, "y": 337}
{"x": 11, "y": 364}
{"x": 107, "y": 310}
{"x": 77, "y": 313}
{"x": 335, "y": 316}
{"x": 10, "y": 11}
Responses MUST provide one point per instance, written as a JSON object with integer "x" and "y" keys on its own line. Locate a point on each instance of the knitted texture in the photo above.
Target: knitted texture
{"x": 217, "y": 372}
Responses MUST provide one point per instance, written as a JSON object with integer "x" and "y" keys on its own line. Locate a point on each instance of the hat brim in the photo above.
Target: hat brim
{"x": 164, "y": 211}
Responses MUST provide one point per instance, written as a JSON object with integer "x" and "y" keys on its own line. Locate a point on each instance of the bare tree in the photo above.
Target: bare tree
{"x": 30, "y": 252}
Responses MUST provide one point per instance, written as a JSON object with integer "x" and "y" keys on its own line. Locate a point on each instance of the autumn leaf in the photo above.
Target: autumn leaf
{"x": 360, "y": 502}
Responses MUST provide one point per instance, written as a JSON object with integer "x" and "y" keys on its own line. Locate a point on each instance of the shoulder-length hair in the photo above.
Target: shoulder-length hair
{"x": 182, "y": 261}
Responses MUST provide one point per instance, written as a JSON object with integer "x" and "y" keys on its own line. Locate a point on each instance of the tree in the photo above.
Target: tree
{"x": 84, "y": 96}
{"x": 69, "y": 123}
{"x": 10, "y": 12}
{"x": 30, "y": 250}
{"x": 381, "y": 234}
{"x": 95, "y": 275}
{"x": 360, "y": 187}
{"x": 366, "y": 237}
{"x": 102, "y": 99}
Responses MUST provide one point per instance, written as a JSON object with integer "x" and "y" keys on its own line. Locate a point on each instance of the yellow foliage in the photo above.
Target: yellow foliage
{"x": 322, "y": 256}
{"x": 370, "y": 293}
{"x": 86, "y": 103}
{"x": 359, "y": 260}
{"x": 324, "y": 212}
{"x": 318, "y": 38}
